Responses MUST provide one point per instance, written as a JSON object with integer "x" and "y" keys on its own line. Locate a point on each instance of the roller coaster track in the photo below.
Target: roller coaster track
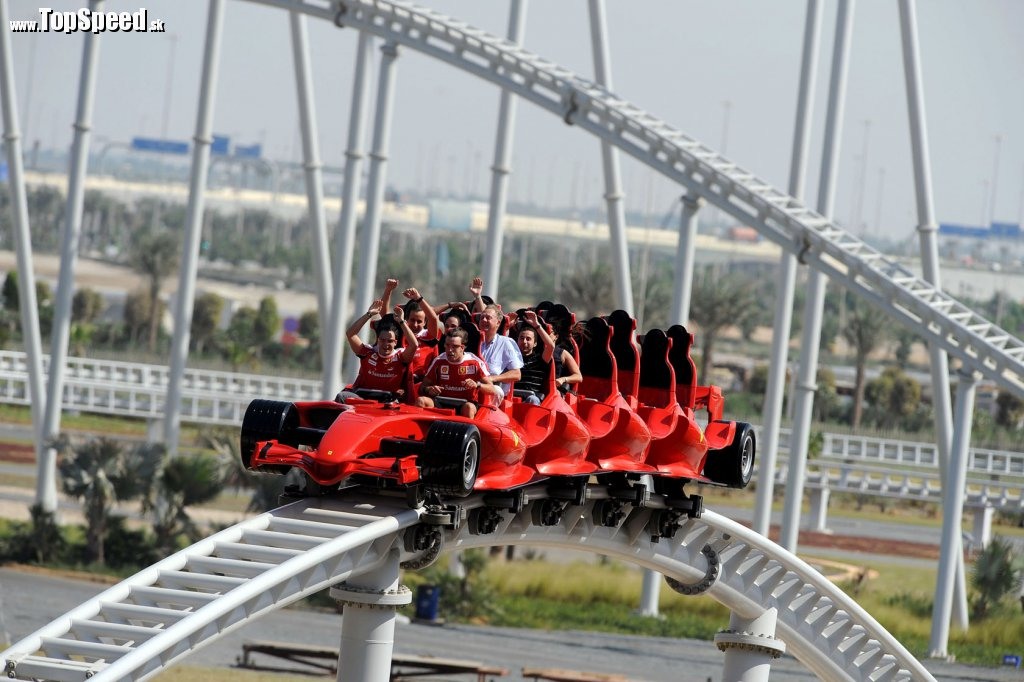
{"x": 979, "y": 344}
{"x": 188, "y": 600}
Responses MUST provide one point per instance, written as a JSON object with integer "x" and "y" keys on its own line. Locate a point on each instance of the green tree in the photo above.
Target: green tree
{"x": 994, "y": 576}
{"x": 99, "y": 473}
{"x": 892, "y": 397}
{"x": 137, "y": 314}
{"x": 154, "y": 255}
{"x": 588, "y": 290}
{"x": 10, "y": 292}
{"x": 866, "y": 329}
{"x": 205, "y": 319}
{"x": 1009, "y": 410}
{"x": 183, "y": 481}
{"x": 717, "y": 302}
{"x": 86, "y": 305}
{"x": 267, "y": 322}
{"x": 239, "y": 346}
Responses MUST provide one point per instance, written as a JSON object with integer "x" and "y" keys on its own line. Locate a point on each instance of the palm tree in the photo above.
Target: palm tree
{"x": 588, "y": 290}
{"x": 718, "y": 302}
{"x": 154, "y": 255}
{"x": 865, "y": 330}
{"x": 994, "y": 575}
{"x": 183, "y": 481}
{"x": 100, "y": 473}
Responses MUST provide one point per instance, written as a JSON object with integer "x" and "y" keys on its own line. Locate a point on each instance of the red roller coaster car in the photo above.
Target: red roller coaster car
{"x": 634, "y": 416}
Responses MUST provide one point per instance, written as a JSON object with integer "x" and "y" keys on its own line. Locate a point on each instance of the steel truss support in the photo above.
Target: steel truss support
{"x": 500, "y": 170}
{"x": 185, "y": 300}
{"x": 610, "y": 160}
{"x": 346, "y": 235}
{"x": 370, "y": 602}
{"x": 785, "y": 289}
{"x": 750, "y": 647}
{"x": 369, "y": 242}
{"x": 815, "y": 304}
{"x": 844, "y": 258}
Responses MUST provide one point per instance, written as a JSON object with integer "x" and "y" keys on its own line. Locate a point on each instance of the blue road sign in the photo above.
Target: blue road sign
{"x": 150, "y": 144}
{"x": 221, "y": 145}
{"x": 252, "y": 151}
{"x": 1011, "y": 659}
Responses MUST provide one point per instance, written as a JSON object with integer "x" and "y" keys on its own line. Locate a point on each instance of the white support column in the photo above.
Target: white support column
{"x": 929, "y": 249}
{"x": 500, "y": 170}
{"x": 610, "y": 158}
{"x": 952, "y": 513}
{"x": 46, "y": 483}
{"x": 314, "y": 181}
{"x": 69, "y": 254}
{"x": 982, "y": 529}
{"x": 819, "y": 509}
{"x": 370, "y": 602}
{"x": 649, "y": 593}
{"x": 185, "y": 302}
{"x": 750, "y": 647}
{"x": 346, "y": 231}
{"x": 784, "y": 293}
{"x": 815, "y": 304}
{"x": 369, "y": 242}
{"x": 685, "y": 250}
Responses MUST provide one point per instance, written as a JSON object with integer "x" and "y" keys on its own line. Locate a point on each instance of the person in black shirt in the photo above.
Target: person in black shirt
{"x": 536, "y": 361}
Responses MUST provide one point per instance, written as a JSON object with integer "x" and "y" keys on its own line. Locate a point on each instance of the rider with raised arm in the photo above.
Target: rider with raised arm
{"x": 382, "y": 366}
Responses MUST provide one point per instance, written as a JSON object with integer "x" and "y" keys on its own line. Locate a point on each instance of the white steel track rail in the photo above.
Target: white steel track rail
{"x": 191, "y": 598}
{"x": 157, "y": 617}
{"x": 980, "y": 344}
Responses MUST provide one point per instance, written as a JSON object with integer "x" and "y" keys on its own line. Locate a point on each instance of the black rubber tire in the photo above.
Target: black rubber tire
{"x": 451, "y": 458}
{"x": 266, "y": 420}
{"x": 733, "y": 465}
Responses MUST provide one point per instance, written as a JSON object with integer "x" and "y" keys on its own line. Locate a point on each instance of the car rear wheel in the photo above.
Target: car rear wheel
{"x": 733, "y": 465}
{"x": 451, "y": 458}
{"x": 267, "y": 420}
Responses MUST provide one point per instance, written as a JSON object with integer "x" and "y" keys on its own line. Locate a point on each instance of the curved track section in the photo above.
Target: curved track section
{"x": 157, "y": 617}
{"x": 180, "y": 604}
{"x": 980, "y": 344}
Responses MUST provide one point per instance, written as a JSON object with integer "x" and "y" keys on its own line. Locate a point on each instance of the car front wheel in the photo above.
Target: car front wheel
{"x": 733, "y": 465}
{"x": 451, "y": 458}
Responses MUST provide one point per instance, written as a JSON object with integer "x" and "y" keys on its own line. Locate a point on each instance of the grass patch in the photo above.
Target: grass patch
{"x": 193, "y": 674}
{"x": 17, "y": 480}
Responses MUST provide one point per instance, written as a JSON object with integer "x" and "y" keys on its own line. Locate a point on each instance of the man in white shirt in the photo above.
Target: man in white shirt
{"x": 501, "y": 353}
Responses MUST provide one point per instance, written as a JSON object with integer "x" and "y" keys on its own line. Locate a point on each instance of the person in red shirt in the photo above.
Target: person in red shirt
{"x": 456, "y": 374}
{"x": 424, "y": 323}
{"x": 382, "y": 367}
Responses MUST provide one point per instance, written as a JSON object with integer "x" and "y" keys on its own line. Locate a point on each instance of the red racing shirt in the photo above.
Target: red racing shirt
{"x": 378, "y": 372}
{"x": 449, "y": 376}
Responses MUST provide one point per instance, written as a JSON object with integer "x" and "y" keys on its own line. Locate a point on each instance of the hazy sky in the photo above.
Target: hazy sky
{"x": 724, "y": 72}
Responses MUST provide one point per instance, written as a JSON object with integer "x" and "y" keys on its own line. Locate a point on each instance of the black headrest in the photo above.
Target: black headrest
{"x": 679, "y": 353}
{"x": 595, "y": 353}
{"x": 622, "y": 342}
{"x": 654, "y": 360}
